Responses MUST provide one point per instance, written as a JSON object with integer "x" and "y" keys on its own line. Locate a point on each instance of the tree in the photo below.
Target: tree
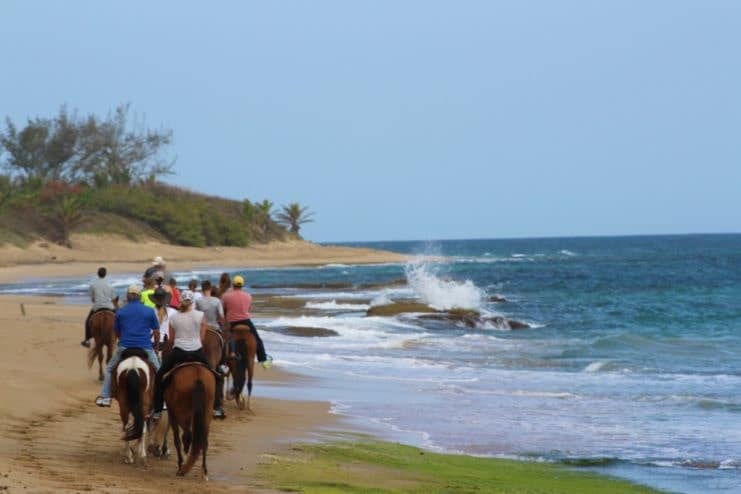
{"x": 94, "y": 150}
{"x": 113, "y": 153}
{"x": 62, "y": 204}
{"x": 263, "y": 214}
{"x": 293, "y": 216}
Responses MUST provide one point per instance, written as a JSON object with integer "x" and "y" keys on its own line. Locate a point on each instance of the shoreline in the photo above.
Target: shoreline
{"x": 42, "y": 260}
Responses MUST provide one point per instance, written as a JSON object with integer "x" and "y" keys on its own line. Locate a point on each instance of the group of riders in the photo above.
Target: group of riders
{"x": 160, "y": 317}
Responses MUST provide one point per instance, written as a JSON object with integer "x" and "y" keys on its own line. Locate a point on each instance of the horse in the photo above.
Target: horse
{"x": 243, "y": 362}
{"x": 213, "y": 347}
{"x": 190, "y": 399}
{"x": 133, "y": 388}
{"x": 101, "y": 324}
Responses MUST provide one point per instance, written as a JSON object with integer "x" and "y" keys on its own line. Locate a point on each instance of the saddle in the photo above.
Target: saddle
{"x": 169, "y": 373}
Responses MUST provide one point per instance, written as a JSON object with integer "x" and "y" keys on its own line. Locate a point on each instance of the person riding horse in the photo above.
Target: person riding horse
{"x": 134, "y": 325}
{"x": 102, "y": 296}
{"x": 237, "y": 304}
{"x": 186, "y": 334}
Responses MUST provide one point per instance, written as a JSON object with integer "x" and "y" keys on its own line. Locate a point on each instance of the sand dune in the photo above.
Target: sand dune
{"x": 45, "y": 260}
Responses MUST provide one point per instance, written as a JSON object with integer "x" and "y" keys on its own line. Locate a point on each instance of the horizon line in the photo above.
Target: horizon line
{"x": 543, "y": 237}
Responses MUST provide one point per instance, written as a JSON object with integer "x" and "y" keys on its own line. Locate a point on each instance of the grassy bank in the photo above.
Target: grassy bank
{"x": 369, "y": 466}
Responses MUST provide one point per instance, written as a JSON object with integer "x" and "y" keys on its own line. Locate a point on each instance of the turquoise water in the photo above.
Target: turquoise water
{"x": 631, "y": 364}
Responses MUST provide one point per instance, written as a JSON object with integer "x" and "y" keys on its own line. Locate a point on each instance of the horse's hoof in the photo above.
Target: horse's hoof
{"x": 180, "y": 473}
{"x": 205, "y": 478}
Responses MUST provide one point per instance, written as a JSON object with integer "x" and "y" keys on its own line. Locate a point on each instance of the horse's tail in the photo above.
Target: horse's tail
{"x": 200, "y": 427}
{"x": 240, "y": 348}
{"x": 133, "y": 398}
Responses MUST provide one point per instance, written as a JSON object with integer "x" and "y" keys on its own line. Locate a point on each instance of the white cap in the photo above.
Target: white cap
{"x": 158, "y": 260}
{"x": 187, "y": 296}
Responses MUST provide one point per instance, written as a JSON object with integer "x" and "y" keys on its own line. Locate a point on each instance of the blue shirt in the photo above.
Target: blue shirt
{"x": 134, "y": 324}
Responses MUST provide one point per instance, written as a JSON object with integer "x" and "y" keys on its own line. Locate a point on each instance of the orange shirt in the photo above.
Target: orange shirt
{"x": 236, "y": 305}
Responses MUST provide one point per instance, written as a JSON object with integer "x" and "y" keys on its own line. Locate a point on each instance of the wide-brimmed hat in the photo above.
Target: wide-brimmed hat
{"x": 134, "y": 290}
{"x": 160, "y": 296}
{"x": 157, "y": 261}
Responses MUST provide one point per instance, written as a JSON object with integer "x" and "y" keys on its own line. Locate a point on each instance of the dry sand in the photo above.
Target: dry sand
{"x": 88, "y": 252}
{"x": 54, "y": 439}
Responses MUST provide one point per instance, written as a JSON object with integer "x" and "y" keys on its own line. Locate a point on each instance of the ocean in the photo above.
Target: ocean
{"x": 630, "y": 366}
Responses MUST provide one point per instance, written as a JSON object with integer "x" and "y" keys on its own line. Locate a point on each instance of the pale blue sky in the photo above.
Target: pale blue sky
{"x": 415, "y": 119}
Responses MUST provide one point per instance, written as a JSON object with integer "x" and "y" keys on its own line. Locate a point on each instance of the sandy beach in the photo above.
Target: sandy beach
{"x": 56, "y": 440}
{"x": 47, "y": 260}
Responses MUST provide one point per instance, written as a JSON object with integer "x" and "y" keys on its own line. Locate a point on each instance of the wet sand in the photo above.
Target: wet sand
{"x": 54, "y": 439}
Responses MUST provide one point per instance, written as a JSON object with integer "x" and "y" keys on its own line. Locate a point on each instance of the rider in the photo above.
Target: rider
{"x": 211, "y": 307}
{"x": 187, "y": 331}
{"x": 102, "y": 297}
{"x": 161, "y": 299}
{"x": 158, "y": 264}
{"x": 134, "y": 325}
{"x": 237, "y": 304}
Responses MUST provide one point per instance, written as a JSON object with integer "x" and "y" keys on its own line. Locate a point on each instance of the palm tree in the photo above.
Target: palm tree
{"x": 264, "y": 212}
{"x": 293, "y": 216}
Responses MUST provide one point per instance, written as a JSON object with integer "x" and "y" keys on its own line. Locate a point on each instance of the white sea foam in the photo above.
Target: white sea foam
{"x": 334, "y": 306}
{"x": 595, "y": 366}
{"x": 568, "y": 253}
{"x": 381, "y": 299}
{"x": 442, "y": 294}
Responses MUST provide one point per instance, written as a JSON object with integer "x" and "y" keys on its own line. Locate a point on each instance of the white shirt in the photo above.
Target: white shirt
{"x": 165, "y": 325}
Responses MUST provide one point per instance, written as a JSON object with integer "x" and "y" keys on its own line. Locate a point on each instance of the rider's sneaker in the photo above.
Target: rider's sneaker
{"x": 85, "y": 343}
{"x": 267, "y": 363}
{"x": 103, "y": 402}
{"x": 224, "y": 369}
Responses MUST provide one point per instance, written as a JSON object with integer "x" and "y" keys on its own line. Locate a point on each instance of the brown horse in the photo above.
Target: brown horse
{"x": 101, "y": 324}
{"x": 190, "y": 399}
{"x": 213, "y": 347}
{"x": 243, "y": 362}
{"x": 133, "y": 388}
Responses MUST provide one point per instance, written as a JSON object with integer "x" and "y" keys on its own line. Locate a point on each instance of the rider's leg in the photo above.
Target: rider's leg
{"x": 105, "y": 390}
{"x": 88, "y": 329}
{"x": 168, "y": 363}
{"x": 261, "y": 355}
{"x": 152, "y": 356}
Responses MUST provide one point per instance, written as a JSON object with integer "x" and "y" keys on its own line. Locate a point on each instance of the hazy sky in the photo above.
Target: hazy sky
{"x": 415, "y": 119}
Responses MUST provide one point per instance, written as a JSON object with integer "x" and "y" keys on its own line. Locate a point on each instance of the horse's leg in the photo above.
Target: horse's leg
{"x": 99, "y": 350}
{"x": 175, "y": 436}
{"x": 205, "y": 449}
{"x": 143, "y": 445}
{"x": 129, "y": 453}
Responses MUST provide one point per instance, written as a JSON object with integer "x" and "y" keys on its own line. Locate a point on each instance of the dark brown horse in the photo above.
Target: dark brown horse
{"x": 213, "y": 347}
{"x": 133, "y": 387}
{"x": 190, "y": 399}
{"x": 101, "y": 324}
{"x": 243, "y": 362}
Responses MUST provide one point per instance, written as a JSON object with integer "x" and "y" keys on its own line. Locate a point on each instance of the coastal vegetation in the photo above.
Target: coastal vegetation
{"x": 73, "y": 173}
{"x": 370, "y": 466}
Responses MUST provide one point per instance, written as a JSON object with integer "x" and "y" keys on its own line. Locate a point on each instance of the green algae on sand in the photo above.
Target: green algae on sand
{"x": 369, "y": 466}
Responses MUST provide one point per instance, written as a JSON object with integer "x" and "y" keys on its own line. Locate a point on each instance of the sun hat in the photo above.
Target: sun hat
{"x": 158, "y": 260}
{"x": 238, "y": 281}
{"x": 160, "y": 296}
{"x": 187, "y": 296}
{"x": 134, "y": 290}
